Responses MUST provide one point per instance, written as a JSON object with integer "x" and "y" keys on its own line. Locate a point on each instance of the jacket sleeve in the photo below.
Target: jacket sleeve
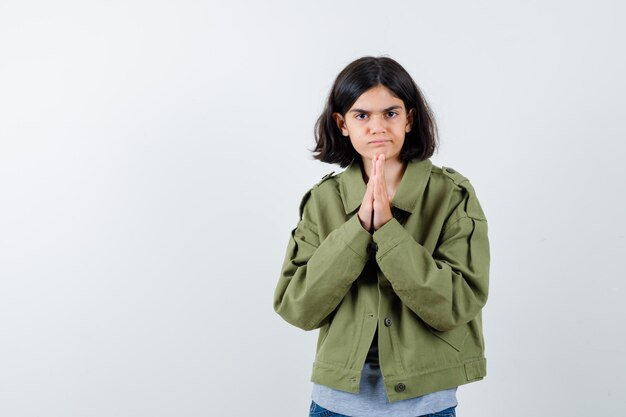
{"x": 315, "y": 275}
{"x": 449, "y": 287}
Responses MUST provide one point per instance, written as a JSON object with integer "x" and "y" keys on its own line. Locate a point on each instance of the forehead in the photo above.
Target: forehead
{"x": 377, "y": 98}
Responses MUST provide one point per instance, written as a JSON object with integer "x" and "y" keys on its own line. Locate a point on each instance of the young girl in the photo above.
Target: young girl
{"x": 390, "y": 257}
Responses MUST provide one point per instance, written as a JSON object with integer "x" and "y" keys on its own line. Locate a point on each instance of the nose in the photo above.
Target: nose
{"x": 377, "y": 124}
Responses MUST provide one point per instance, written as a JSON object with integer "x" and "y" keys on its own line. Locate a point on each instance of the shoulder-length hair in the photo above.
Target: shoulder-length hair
{"x": 356, "y": 78}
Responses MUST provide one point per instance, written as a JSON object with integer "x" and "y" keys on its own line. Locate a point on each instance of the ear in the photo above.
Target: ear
{"x": 410, "y": 117}
{"x": 341, "y": 123}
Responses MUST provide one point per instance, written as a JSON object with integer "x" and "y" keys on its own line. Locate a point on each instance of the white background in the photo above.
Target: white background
{"x": 153, "y": 155}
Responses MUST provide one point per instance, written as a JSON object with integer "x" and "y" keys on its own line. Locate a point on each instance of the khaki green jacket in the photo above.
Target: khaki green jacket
{"x": 433, "y": 272}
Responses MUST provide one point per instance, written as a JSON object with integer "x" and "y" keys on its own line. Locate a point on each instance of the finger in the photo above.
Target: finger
{"x": 382, "y": 185}
{"x": 376, "y": 188}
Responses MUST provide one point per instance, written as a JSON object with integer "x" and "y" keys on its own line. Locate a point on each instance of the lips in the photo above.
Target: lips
{"x": 375, "y": 142}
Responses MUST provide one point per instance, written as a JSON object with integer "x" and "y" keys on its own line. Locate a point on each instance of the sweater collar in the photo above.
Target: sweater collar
{"x": 352, "y": 186}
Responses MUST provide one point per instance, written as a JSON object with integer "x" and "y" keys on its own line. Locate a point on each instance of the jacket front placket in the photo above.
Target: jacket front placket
{"x": 377, "y": 297}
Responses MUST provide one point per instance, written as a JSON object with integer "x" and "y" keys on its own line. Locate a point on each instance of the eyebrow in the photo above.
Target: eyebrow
{"x": 367, "y": 111}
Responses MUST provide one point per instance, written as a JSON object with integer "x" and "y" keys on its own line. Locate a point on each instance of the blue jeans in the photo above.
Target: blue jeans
{"x": 319, "y": 411}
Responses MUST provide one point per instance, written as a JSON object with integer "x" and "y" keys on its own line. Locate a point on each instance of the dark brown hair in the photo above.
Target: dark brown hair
{"x": 359, "y": 76}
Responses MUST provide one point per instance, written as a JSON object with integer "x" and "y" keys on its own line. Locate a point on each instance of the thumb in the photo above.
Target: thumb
{"x": 370, "y": 187}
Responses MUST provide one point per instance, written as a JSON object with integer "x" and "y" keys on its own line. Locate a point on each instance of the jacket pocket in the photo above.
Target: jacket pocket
{"x": 455, "y": 337}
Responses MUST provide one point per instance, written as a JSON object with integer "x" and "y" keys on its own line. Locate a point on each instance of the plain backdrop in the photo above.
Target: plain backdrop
{"x": 153, "y": 155}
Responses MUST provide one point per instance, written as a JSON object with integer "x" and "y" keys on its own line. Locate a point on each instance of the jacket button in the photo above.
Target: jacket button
{"x": 400, "y": 387}
{"x": 388, "y": 322}
{"x": 450, "y": 170}
{"x": 374, "y": 247}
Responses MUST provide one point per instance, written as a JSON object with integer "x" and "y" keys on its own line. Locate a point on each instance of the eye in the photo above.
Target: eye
{"x": 360, "y": 114}
{"x": 392, "y": 114}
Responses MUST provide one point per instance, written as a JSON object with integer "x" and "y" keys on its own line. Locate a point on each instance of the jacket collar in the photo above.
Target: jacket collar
{"x": 352, "y": 187}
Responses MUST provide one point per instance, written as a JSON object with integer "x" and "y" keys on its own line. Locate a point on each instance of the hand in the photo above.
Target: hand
{"x": 382, "y": 205}
{"x": 366, "y": 212}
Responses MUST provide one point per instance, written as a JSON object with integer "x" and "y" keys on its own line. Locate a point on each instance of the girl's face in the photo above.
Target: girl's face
{"x": 376, "y": 123}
